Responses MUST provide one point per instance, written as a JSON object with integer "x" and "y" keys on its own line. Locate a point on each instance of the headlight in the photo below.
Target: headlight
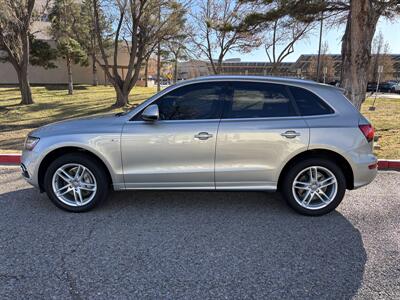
{"x": 31, "y": 142}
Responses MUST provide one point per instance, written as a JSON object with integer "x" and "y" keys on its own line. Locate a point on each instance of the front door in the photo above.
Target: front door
{"x": 178, "y": 150}
{"x": 259, "y": 130}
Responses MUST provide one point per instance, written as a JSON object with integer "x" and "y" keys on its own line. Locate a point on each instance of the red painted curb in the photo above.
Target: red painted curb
{"x": 13, "y": 159}
{"x": 383, "y": 164}
{"x": 394, "y": 164}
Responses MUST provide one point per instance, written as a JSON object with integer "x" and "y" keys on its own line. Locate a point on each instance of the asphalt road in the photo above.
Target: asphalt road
{"x": 199, "y": 245}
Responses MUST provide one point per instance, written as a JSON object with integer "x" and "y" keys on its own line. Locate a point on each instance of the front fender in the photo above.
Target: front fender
{"x": 106, "y": 147}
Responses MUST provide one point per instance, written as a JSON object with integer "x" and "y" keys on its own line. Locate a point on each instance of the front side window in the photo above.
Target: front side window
{"x": 192, "y": 102}
{"x": 259, "y": 100}
{"x": 308, "y": 103}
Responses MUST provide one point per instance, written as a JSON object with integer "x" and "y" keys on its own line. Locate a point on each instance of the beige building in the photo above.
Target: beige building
{"x": 81, "y": 75}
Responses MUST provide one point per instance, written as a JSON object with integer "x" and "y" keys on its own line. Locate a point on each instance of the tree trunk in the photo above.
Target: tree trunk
{"x": 94, "y": 70}
{"x": 22, "y": 72}
{"x": 70, "y": 82}
{"x": 24, "y": 87}
{"x": 146, "y": 74}
{"x": 175, "y": 70}
{"x": 158, "y": 67}
{"x": 356, "y": 50}
{"x": 218, "y": 69}
{"x": 122, "y": 97}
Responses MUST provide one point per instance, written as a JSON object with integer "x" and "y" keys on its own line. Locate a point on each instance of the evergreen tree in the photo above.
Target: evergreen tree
{"x": 85, "y": 34}
{"x": 64, "y": 18}
{"x": 42, "y": 54}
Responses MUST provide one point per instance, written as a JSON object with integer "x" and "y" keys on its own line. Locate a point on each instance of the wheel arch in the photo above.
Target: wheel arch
{"x": 325, "y": 154}
{"x": 55, "y": 153}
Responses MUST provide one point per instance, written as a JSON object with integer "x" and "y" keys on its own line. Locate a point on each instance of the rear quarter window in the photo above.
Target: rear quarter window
{"x": 308, "y": 103}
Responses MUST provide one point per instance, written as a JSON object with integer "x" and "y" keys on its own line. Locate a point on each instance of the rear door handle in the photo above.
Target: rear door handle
{"x": 203, "y": 136}
{"x": 290, "y": 134}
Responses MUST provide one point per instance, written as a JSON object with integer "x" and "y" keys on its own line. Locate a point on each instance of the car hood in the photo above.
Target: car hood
{"x": 79, "y": 125}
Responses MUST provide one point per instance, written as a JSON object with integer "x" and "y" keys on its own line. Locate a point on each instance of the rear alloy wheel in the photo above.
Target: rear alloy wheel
{"x": 74, "y": 182}
{"x": 314, "y": 187}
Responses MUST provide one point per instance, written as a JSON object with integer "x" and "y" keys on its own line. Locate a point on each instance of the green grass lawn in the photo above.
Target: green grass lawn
{"x": 53, "y": 104}
{"x": 386, "y": 120}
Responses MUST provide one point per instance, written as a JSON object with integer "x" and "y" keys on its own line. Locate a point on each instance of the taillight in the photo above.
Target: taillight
{"x": 368, "y": 131}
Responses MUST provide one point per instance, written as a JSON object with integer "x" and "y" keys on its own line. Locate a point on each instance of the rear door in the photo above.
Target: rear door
{"x": 259, "y": 130}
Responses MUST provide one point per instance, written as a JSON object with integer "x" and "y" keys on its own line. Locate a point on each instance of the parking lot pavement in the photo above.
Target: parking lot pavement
{"x": 199, "y": 245}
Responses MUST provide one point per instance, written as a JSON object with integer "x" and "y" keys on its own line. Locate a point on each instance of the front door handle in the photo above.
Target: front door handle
{"x": 290, "y": 134}
{"x": 203, "y": 136}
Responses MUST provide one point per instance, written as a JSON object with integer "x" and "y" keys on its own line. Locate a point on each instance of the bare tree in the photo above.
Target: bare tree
{"x": 218, "y": 29}
{"x": 326, "y": 61}
{"x": 137, "y": 30}
{"x": 386, "y": 61}
{"x": 177, "y": 50}
{"x": 380, "y": 57}
{"x": 377, "y": 47}
{"x": 15, "y": 24}
{"x": 281, "y": 36}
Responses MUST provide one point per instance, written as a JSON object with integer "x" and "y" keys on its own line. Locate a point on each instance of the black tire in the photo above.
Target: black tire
{"x": 286, "y": 187}
{"x": 97, "y": 170}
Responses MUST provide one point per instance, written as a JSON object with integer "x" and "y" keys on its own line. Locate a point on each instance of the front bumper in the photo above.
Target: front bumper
{"x": 30, "y": 167}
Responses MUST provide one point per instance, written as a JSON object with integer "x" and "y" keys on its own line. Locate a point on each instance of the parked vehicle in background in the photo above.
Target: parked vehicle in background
{"x": 384, "y": 87}
{"x": 371, "y": 87}
{"x": 388, "y": 87}
{"x": 396, "y": 86}
{"x": 214, "y": 133}
{"x": 335, "y": 83}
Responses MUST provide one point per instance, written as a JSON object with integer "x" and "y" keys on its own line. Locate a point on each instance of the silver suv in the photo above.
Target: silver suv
{"x": 213, "y": 133}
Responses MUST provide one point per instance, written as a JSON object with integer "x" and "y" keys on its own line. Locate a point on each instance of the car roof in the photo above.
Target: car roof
{"x": 274, "y": 79}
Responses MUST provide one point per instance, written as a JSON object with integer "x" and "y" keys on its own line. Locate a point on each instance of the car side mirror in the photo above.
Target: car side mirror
{"x": 151, "y": 113}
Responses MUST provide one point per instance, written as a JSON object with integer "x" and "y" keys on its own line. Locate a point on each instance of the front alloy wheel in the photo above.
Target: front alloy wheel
{"x": 76, "y": 182}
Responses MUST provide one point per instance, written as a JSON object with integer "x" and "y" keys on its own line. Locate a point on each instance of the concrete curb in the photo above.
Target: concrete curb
{"x": 383, "y": 164}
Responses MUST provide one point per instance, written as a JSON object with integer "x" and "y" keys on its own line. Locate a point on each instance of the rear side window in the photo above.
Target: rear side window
{"x": 308, "y": 103}
{"x": 258, "y": 100}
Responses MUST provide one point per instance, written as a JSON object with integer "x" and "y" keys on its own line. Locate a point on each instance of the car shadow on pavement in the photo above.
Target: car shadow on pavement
{"x": 159, "y": 244}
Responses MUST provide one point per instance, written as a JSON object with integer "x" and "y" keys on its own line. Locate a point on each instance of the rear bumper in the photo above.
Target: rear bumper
{"x": 362, "y": 171}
